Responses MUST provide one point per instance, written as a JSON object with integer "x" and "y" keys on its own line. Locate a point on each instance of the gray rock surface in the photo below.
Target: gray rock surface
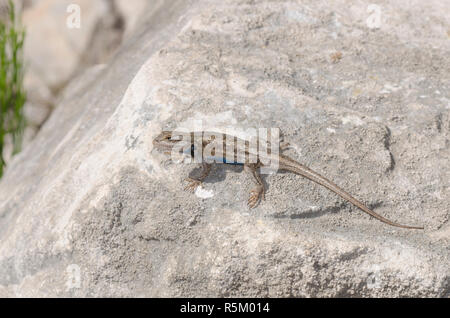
{"x": 90, "y": 209}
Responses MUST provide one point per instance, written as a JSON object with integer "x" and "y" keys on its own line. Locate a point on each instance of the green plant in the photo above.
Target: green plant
{"x": 12, "y": 94}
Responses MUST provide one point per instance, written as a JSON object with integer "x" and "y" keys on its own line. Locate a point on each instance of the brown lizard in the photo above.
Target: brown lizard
{"x": 167, "y": 141}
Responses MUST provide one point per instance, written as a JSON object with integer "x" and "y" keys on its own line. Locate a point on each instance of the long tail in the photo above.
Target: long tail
{"x": 291, "y": 165}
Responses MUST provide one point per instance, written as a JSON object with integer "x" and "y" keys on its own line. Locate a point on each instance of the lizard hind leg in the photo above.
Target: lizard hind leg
{"x": 257, "y": 193}
{"x": 194, "y": 183}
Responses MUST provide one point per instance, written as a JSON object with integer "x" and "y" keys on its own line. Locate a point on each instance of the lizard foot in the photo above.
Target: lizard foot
{"x": 193, "y": 185}
{"x": 255, "y": 197}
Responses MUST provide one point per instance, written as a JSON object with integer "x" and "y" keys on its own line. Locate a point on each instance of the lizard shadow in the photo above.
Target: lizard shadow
{"x": 311, "y": 214}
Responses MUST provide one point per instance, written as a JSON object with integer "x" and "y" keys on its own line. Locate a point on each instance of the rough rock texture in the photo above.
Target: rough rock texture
{"x": 89, "y": 209}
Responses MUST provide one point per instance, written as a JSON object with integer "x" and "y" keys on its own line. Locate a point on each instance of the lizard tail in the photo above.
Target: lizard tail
{"x": 297, "y": 168}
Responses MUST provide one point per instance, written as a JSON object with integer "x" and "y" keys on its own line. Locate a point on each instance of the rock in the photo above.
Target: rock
{"x": 66, "y": 53}
{"x": 90, "y": 209}
{"x": 36, "y": 114}
{"x": 65, "y": 46}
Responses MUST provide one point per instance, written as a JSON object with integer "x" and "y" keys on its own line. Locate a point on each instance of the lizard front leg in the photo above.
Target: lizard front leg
{"x": 195, "y": 182}
{"x": 257, "y": 193}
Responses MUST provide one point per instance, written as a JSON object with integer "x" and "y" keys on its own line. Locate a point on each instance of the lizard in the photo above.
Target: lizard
{"x": 166, "y": 141}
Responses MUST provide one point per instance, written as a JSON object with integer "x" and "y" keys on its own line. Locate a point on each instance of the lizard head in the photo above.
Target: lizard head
{"x": 165, "y": 141}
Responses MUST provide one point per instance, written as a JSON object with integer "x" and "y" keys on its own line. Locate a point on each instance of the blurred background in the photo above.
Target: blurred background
{"x": 54, "y": 55}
